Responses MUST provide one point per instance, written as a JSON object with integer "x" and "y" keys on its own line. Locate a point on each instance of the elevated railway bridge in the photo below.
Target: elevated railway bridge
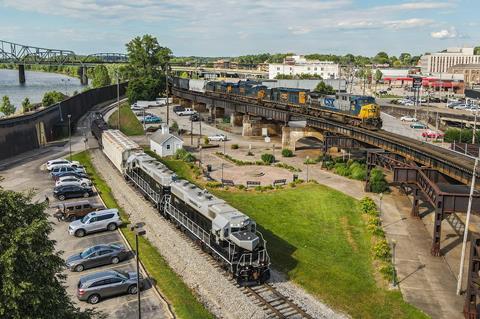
{"x": 433, "y": 175}
{"x": 22, "y": 55}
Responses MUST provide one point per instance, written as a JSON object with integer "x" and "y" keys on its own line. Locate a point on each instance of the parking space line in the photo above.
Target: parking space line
{"x": 144, "y": 296}
{"x": 97, "y": 269}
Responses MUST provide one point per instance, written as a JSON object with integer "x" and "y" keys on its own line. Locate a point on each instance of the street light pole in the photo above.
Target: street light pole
{"x": 139, "y": 231}
{"x": 166, "y": 93}
{"x": 308, "y": 158}
{"x": 465, "y": 232}
{"x": 70, "y": 135}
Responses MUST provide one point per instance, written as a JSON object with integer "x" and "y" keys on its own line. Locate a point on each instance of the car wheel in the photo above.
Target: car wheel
{"x": 132, "y": 289}
{"x": 80, "y": 233}
{"x": 79, "y": 268}
{"x": 93, "y": 299}
{"x": 61, "y": 197}
{"x": 112, "y": 226}
{"x": 115, "y": 260}
{"x": 86, "y": 194}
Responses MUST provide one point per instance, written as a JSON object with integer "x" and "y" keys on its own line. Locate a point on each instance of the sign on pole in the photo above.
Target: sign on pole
{"x": 417, "y": 82}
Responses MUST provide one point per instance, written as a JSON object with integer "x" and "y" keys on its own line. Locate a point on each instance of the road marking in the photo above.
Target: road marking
{"x": 143, "y": 296}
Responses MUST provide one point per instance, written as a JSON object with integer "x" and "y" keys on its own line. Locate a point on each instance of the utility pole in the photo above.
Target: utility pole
{"x": 191, "y": 131}
{"x": 465, "y": 232}
{"x": 166, "y": 93}
{"x": 70, "y": 135}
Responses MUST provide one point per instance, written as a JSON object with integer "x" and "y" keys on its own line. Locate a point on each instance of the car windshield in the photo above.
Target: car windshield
{"x": 84, "y": 219}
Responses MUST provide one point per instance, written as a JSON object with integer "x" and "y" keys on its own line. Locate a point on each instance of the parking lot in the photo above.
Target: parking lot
{"x": 26, "y": 175}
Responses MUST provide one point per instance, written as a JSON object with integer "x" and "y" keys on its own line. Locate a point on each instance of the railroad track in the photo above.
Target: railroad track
{"x": 274, "y": 303}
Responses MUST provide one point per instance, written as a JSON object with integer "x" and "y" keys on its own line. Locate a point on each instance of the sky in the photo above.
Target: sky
{"x": 231, "y": 28}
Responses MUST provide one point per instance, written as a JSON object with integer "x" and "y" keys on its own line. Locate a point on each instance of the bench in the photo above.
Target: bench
{"x": 279, "y": 182}
{"x": 253, "y": 183}
{"x": 228, "y": 182}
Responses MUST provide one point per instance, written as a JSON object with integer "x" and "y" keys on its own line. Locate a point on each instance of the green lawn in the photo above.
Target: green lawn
{"x": 183, "y": 300}
{"x": 318, "y": 238}
{"x": 129, "y": 124}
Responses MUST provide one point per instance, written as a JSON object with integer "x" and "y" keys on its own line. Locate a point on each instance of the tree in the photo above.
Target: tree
{"x": 406, "y": 58}
{"x": 324, "y": 89}
{"x": 381, "y": 58}
{"x": 378, "y": 75}
{"x": 100, "y": 76}
{"x": 26, "y": 105}
{"x": 32, "y": 284}
{"x": 146, "y": 88}
{"x": 146, "y": 57}
{"x": 7, "y": 107}
{"x": 52, "y": 97}
{"x": 476, "y": 50}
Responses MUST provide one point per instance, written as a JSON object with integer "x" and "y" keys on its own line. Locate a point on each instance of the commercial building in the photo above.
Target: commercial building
{"x": 471, "y": 73}
{"x": 225, "y": 64}
{"x": 297, "y": 65}
{"x": 440, "y": 62}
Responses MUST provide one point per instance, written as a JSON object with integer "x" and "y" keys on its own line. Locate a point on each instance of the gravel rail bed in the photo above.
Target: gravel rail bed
{"x": 219, "y": 294}
{"x": 213, "y": 288}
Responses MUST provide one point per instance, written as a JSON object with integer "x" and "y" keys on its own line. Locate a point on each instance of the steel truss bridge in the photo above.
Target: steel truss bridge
{"x": 24, "y": 54}
{"x": 433, "y": 175}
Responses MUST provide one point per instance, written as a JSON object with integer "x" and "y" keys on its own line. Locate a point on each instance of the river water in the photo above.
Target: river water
{"x": 37, "y": 83}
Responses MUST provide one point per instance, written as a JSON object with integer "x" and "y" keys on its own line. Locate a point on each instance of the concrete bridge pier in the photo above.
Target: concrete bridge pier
{"x": 199, "y": 107}
{"x": 236, "y": 119}
{"x": 21, "y": 73}
{"x": 253, "y": 126}
{"x": 83, "y": 75}
{"x": 290, "y": 135}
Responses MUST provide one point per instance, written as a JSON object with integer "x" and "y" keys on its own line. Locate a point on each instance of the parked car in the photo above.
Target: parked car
{"x": 74, "y": 174}
{"x": 94, "y": 287}
{"x": 151, "y": 119}
{"x": 408, "y": 118}
{"x": 186, "y": 112}
{"x": 62, "y": 169}
{"x": 195, "y": 117}
{"x": 178, "y": 108}
{"x": 383, "y": 92}
{"x": 107, "y": 219}
{"x": 60, "y": 162}
{"x": 95, "y": 256}
{"x": 71, "y": 211}
{"x": 72, "y": 180}
{"x": 72, "y": 191}
{"x": 418, "y": 125}
{"x": 217, "y": 137}
{"x": 432, "y": 134}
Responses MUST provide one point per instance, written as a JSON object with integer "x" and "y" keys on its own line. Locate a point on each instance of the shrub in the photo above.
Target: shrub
{"x": 367, "y": 205}
{"x": 378, "y": 184}
{"x": 214, "y": 184}
{"x": 374, "y": 220}
{"x": 375, "y": 230}
{"x": 268, "y": 158}
{"x": 249, "y": 153}
{"x": 287, "y": 153}
{"x": 358, "y": 172}
{"x": 241, "y": 187}
{"x": 234, "y": 146}
{"x": 180, "y": 154}
{"x": 381, "y": 250}
{"x": 174, "y": 126}
{"x": 387, "y": 270}
{"x": 341, "y": 169}
{"x": 259, "y": 188}
{"x": 206, "y": 141}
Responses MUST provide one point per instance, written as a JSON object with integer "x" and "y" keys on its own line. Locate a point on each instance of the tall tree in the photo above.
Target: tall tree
{"x": 406, "y": 58}
{"x": 7, "y": 107}
{"x": 32, "y": 285}
{"x": 100, "y": 76}
{"x": 378, "y": 75}
{"x": 381, "y": 58}
{"x": 146, "y": 57}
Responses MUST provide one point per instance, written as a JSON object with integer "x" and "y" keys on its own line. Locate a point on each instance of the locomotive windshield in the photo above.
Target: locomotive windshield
{"x": 365, "y": 101}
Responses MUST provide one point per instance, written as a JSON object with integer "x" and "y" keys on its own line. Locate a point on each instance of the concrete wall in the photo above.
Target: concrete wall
{"x": 27, "y": 132}
{"x": 290, "y": 135}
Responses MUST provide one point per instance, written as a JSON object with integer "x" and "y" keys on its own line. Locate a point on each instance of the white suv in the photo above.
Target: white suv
{"x": 60, "y": 162}
{"x": 186, "y": 112}
{"x": 107, "y": 219}
{"x": 72, "y": 180}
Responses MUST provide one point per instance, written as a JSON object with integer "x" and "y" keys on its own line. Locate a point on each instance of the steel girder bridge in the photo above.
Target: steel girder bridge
{"x": 22, "y": 55}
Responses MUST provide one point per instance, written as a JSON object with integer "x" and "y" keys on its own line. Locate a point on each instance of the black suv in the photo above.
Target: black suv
{"x": 72, "y": 191}
{"x": 195, "y": 117}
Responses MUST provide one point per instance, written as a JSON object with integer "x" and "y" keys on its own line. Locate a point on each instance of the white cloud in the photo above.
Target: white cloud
{"x": 410, "y": 6}
{"x": 299, "y": 30}
{"x": 445, "y": 34}
{"x": 408, "y": 23}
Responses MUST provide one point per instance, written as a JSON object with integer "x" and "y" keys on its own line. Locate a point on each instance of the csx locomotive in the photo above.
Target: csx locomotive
{"x": 357, "y": 110}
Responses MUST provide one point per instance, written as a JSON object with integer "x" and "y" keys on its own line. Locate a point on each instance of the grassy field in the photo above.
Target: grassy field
{"x": 129, "y": 124}
{"x": 184, "y": 302}
{"x": 317, "y": 237}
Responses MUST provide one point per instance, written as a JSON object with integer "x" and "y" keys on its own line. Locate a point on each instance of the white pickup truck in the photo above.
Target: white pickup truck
{"x": 186, "y": 112}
